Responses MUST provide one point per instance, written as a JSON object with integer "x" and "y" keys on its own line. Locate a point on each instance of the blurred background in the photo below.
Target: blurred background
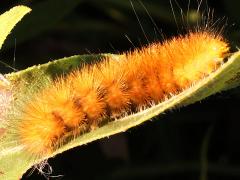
{"x": 200, "y": 141}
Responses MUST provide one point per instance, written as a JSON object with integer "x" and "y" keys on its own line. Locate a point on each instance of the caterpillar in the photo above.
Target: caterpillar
{"x": 91, "y": 96}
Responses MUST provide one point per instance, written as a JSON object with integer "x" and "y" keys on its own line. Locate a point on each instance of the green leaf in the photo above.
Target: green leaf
{"x": 14, "y": 162}
{"x": 9, "y": 19}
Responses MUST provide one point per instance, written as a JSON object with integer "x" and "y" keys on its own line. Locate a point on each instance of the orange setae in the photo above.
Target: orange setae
{"x": 82, "y": 100}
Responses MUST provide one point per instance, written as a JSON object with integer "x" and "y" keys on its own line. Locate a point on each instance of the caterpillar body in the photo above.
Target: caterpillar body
{"x": 87, "y": 98}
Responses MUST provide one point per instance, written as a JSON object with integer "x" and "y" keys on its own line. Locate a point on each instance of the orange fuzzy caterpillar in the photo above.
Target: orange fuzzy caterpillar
{"x": 85, "y": 98}
{"x": 49, "y": 117}
{"x": 87, "y": 92}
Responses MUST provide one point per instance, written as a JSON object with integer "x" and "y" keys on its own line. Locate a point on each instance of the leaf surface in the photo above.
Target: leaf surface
{"x": 9, "y": 19}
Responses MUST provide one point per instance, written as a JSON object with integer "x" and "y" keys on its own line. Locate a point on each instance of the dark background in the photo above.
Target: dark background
{"x": 199, "y": 141}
